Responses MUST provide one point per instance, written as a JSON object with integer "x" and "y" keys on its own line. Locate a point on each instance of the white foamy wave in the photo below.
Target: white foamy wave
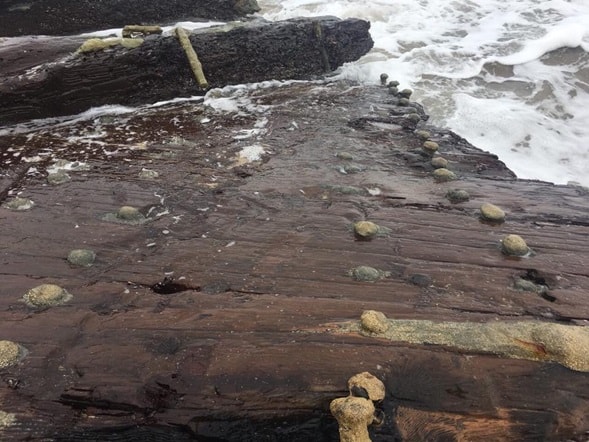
{"x": 511, "y": 77}
{"x": 563, "y": 36}
{"x": 56, "y": 122}
{"x": 531, "y": 145}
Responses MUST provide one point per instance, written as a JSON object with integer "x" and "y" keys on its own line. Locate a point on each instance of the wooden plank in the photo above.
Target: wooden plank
{"x": 239, "y": 341}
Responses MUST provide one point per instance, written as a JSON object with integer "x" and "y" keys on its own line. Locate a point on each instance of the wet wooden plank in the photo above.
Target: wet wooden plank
{"x": 54, "y": 80}
{"x": 237, "y": 341}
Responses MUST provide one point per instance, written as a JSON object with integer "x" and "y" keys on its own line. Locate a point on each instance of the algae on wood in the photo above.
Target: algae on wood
{"x": 195, "y": 64}
{"x": 533, "y": 340}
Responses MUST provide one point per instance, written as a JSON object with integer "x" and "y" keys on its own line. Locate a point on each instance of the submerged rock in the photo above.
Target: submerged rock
{"x": 46, "y": 295}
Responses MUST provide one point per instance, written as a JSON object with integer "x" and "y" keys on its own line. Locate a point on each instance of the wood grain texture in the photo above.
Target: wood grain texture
{"x": 55, "y": 80}
{"x": 239, "y": 348}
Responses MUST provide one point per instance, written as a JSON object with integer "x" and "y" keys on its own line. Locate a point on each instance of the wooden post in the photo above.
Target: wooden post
{"x": 192, "y": 58}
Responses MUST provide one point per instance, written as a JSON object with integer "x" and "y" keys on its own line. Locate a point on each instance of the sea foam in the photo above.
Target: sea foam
{"x": 511, "y": 77}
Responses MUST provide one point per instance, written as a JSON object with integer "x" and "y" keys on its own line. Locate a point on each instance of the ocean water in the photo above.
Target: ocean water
{"x": 510, "y": 76}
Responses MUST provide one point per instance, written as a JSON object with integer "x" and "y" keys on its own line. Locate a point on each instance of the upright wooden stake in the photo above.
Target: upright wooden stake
{"x": 192, "y": 58}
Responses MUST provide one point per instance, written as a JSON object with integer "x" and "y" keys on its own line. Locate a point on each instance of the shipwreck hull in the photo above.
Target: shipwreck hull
{"x": 55, "y": 80}
{"x": 217, "y": 318}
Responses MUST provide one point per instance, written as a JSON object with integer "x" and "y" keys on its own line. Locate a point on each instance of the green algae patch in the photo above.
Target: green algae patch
{"x": 345, "y": 190}
{"x": 369, "y": 230}
{"x": 367, "y": 274}
{"x": 423, "y": 134}
{"x": 19, "y": 204}
{"x": 514, "y": 245}
{"x": 443, "y": 175}
{"x": 406, "y": 93}
{"x": 492, "y": 213}
{"x": 6, "y": 419}
{"x": 345, "y": 156}
{"x": 567, "y": 345}
{"x": 456, "y": 196}
{"x": 430, "y": 147}
{"x": 46, "y": 295}
{"x": 99, "y": 44}
{"x": 57, "y": 178}
{"x": 439, "y": 163}
{"x": 125, "y": 215}
{"x": 373, "y": 321}
{"x": 81, "y": 257}
{"x": 148, "y": 174}
{"x": 10, "y": 354}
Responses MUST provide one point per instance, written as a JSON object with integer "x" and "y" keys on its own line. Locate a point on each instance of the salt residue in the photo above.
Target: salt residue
{"x": 90, "y": 114}
{"x": 64, "y": 165}
{"x": 237, "y": 99}
{"x": 252, "y": 153}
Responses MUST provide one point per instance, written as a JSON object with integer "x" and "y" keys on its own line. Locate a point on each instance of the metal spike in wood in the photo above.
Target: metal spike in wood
{"x": 192, "y": 58}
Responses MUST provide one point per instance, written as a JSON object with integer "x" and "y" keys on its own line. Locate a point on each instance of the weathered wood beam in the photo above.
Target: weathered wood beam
{"x": 42, "y": 84}
{"x": 240, "y": 344}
